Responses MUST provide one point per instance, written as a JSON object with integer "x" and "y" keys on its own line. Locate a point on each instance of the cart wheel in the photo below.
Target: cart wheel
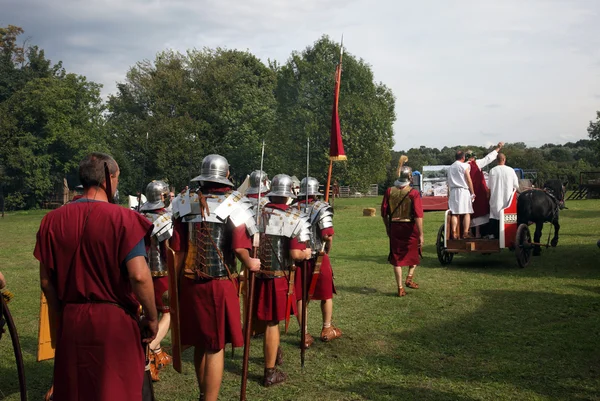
{"x": 523, "y": 246}
{"x": 444, "y": 257}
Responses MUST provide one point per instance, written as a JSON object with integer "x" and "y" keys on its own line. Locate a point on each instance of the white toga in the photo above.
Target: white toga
{"x": 459, "y": 198}
{"x": 503, "y": 181}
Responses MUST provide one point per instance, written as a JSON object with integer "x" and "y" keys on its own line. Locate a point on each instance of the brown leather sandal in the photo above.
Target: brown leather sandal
{"x": 161, "y": 358}
{"x": 401, "y": 292}
{"x": 330, "y": 333}
{"x": 50, "y": 394}
{"x": 309, "y": 341}
{"x": 154, "y": 372}
{"x": 273, "y": 376}
{"x": 410, "y": 284}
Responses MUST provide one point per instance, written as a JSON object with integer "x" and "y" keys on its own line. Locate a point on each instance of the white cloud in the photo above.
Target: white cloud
{"x": 522, "y": 70}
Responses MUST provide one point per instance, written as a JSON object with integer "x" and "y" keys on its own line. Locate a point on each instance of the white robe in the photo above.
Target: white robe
{"x": 503, "y": 181}
{"x": 459, "y": 198}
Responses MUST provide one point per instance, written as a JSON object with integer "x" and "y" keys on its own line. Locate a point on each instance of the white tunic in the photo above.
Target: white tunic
{"x": 503, "y": 181}
{"x": 459, "y": 198}
{"x": 490, "y": 157}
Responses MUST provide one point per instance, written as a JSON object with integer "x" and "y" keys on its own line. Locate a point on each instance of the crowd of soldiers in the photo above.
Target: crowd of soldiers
{"x": 108, "y": 273}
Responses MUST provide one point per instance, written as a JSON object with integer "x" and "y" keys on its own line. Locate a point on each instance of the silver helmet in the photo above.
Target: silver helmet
{"x": 309, "y": 186}
{"x": 156, "y": 194}
{"x": 215, "y": 168}
{"x": 282, "y": 186}
{"x": 259, "y": 182}
{"x": 405, "y": 177}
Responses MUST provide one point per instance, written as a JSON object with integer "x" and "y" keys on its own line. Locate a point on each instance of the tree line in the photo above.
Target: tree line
{"x": 168, "y": 113}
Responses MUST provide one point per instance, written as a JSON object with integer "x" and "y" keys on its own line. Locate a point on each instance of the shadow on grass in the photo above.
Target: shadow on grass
{"x": 580, "y": 214}
{"x": 381, "y": 391}
{"x": 564, "y": 261}
{"x": 523, "y": 344}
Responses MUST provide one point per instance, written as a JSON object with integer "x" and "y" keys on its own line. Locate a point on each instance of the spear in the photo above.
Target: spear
{"x": 250, "y": 288}
{"x": 304, "y": 273}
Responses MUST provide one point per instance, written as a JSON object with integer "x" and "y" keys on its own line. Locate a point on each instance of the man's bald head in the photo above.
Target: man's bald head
{"x": 501, "y": 158}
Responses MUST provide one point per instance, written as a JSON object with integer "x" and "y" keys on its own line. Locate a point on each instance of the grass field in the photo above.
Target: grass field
{"x": 479, "y": 329}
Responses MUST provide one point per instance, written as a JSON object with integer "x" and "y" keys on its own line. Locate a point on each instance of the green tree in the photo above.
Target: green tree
{"x": 304, "y": 93}
{"x": 48, "y": 119}
{"x": 206, "y": 101}
{"x": 45, "y": 129}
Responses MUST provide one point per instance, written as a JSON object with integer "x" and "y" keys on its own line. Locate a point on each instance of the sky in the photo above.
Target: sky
{"x": 464, "y": 72}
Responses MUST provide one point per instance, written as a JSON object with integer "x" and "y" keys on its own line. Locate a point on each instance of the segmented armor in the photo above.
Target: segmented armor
{"x": 277, "y": 227}
{"x": 211, "y": 219}
{"x": 162, "y": 230}
{"x": 320, "y": 215}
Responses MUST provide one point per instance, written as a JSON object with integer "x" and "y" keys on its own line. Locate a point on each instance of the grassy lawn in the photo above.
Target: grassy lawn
{"x": 479, "y": 329}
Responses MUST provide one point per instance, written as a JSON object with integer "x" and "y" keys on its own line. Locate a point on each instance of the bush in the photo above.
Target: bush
{"x": 15, "y": 201}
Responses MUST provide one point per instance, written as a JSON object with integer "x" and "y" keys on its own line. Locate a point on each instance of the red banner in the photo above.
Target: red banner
{"x": 336, "y": 148}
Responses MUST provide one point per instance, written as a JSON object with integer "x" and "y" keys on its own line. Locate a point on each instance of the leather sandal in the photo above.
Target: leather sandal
{"x": 309, "y": 341}
{"x": 154, "y": 372}
{"x": 410, "y": 284}
{"x": 401, "y": 292}
{"x": 330, "y": 333}
{"x": 273, "y": 376}
{"x": 50, "y": 394}
{"x": 161, "y": 359}
{"x": 279, "y": 359}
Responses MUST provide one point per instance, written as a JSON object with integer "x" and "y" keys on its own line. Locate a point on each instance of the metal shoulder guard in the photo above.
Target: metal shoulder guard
{"x": 221, "y": 207}
{"x": 291, "y": 223}
{"x": 162, "y": 225}
{"x": 320, "y": 214}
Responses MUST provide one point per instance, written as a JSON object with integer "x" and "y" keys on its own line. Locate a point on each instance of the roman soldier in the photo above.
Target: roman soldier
{"x": 155, "y": 210}
{"x": 402, "y": 214}
{"x": 259, "y": 185}
{"x": 283, "y": 233}
{"x": 216, "y": 224}
{"x": 320, "y": 274}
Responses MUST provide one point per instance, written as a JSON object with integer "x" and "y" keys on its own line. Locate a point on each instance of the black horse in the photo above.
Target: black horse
{"x": 539, "y": 206}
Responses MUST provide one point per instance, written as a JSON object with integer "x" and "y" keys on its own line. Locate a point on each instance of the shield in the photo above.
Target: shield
{"x": 46, "y": 332}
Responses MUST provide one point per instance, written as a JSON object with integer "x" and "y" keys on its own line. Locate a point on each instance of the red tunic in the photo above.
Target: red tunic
{"x": 210, "y": 309}
{"x": 325, "y": 288}
{"x": 404, "y": 237}
{"x": 481, "y": 205}
{"x": 98, "y": 353}
{"x": 272, "y": 293}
